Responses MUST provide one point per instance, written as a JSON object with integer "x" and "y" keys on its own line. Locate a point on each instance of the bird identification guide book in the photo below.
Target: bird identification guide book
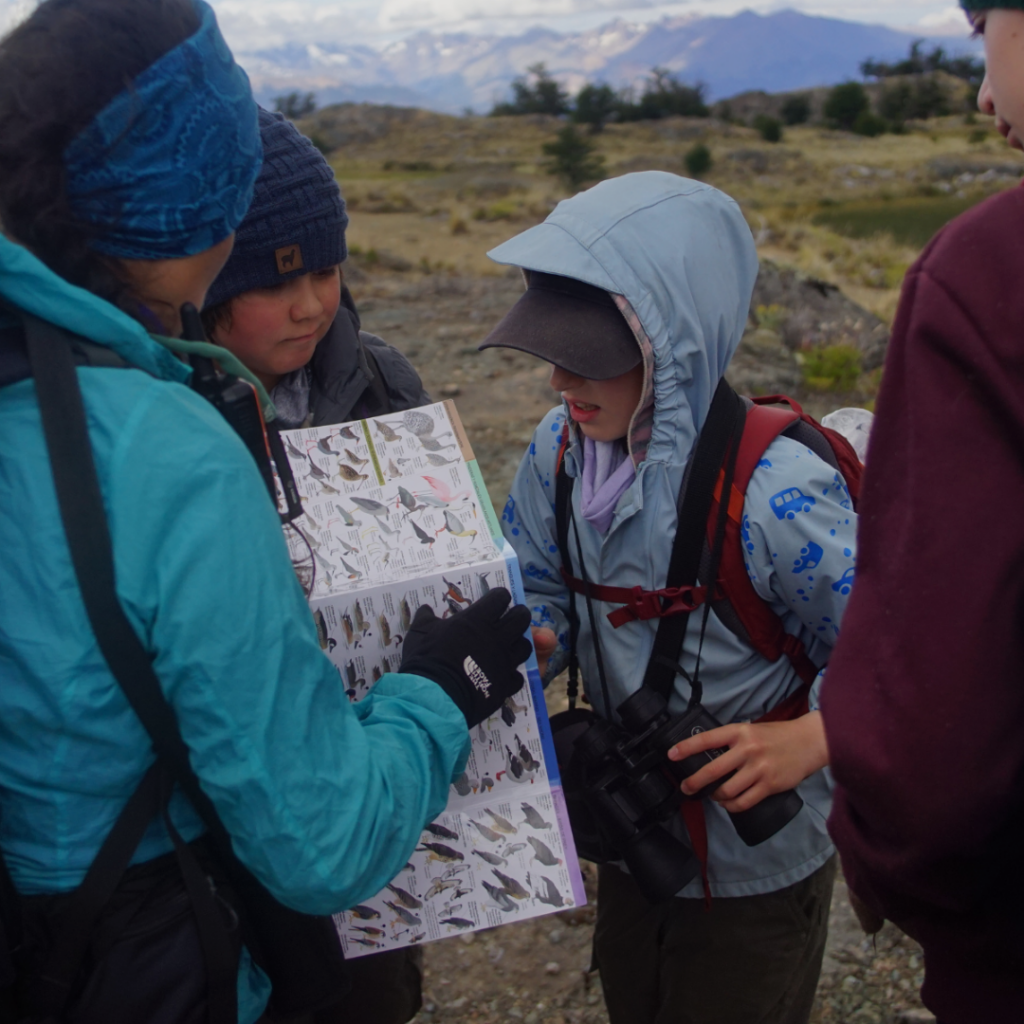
{"x": 396, "y": 515}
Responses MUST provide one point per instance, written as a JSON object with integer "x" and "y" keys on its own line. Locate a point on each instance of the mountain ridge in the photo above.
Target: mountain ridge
{"x": 450, "y": 72}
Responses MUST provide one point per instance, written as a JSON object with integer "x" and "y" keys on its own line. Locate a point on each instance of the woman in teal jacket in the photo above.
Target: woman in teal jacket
{"x": 119, "y": 201}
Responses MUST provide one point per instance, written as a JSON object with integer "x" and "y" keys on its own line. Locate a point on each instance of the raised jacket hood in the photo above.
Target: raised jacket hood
{"x": 682, "y": 256}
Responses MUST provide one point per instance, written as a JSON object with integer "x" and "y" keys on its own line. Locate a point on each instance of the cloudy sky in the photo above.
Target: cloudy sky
{"x": 254, "y": 24}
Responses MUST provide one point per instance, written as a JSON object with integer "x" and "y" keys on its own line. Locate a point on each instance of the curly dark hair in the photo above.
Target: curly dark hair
{"x": 58, "y": 70}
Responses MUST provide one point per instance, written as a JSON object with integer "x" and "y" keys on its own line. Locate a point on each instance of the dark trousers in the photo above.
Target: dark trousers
{"x": 387, "y": 988}
{"x": 747, "y": 960}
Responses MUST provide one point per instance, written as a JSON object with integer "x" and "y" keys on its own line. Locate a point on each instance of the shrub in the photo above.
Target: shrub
{"x": 572, "y": 158}
{"x": 769, "y": 127}
{"x": 870, "y": 124}
{"x": 834, "y": 368}
{"x": 295, "y": 105}
{"x": 796, "y": 109}
{"x": 698, "y": 160}
{"x": 664, "y": 96}
{"x": 845, "y": 104}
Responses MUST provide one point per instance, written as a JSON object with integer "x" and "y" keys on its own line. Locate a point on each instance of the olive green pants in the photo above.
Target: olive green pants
{"x": 747, "y": 960}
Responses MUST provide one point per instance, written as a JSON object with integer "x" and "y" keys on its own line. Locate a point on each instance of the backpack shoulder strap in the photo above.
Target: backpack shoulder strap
{"x": 376, "y": 387}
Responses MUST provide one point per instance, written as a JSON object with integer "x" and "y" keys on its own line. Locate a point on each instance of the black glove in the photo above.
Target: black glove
{"x": 473, "y": 656}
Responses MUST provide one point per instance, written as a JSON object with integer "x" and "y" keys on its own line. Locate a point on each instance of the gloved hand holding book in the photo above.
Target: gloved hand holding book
{"x": 473, "y": 656}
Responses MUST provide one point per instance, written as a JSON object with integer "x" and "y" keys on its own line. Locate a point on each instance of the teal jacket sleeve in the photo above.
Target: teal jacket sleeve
{"x": 324, "y": 800}
{"x": 528, "y": 523}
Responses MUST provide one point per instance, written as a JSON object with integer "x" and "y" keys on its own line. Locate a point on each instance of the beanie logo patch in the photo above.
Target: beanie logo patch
{"x": 289, "y": 258}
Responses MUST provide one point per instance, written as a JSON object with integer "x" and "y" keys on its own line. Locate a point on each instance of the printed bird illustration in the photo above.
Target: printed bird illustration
{"x": 403, "y": 915}
{"x": 347, "y": 548}
{"x": 453, "y": 869}
{"x": 461, "y": 784}
{"x": 367, "y": 942}
{"x": 511, "y": 886}
{"x": 346, "y": 625}
{"x": 456, "y": 922}
{"x": 517, "y": 708}
{"x": 368, "y": 929}
{"x": 533, "y": 818}
{"x": 316, "y": 472}
{"x": 491, "y": 858}
{"x": 454, "y": 526}
{"x": 354, "y": 459}
{"x": 433, "y": 445}
{"x": 376, "y": 673}
{"x": 501, "y": 824}
{"x": 431, "y": 500}
{"x": 321, "y": 628}
{"x": 350, "y": 675}
{"x": 374, "y": 508}
{"x": 326, "y": 488}
{"x": 500, "y": 897}
{"x": 440, "y": 460}
{"x": 530, "y": 763}
{"x": 486, "y": 783}
{"x": 346, "y": 517}
{"x": 348, "y": 433}
{"x": 515, "y": 766}
{"x": 551, "y": 896}
{"x": 292, "y": 450}
{"x": 488, "y": 833}
{"x": 324, "y": 445}
{"x": 543, "y": 853}
{"x": 346, "y": 472}
{"x": 386, "y": 528}
{"x": 418, "y": 937}
{"x": 353, "y": 574}
{"x": 408, "y": 499}
{"x": 385, "y": 629}
{"x": 404, "y": 615}
{"x": 440, "y": 831}
{"x": 324, "y": 564}
{"x": 508, "y": 716}
{"x": 364, "y": 913}
{"x": 418, "y": 423}
{"x": 443, "y": 491}
{"x": 359, "y": 618}
{"x": 511, "y": 851}
{"x": 393, "y": 470}
{"x": 481, "y": 578}
{"x": 439, "y": 886}
{"x": 438, "y": 851}
{"x": 454, "y": 592}
{"x": 453, "y": 608}
{"x": 459, "y": 893}
{"x": 385, "y": 431}
{"x": 422, "y": 535}
{"x": 405, "y": 898}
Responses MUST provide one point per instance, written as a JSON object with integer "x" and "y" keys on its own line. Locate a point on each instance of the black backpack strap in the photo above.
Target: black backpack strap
{"x": 563, "y": 513}
{"x": 720, "y": 436}
{"x": 52, "y": 986}
{"x": 376, "y": 386}
{"x": 85, "y": 525}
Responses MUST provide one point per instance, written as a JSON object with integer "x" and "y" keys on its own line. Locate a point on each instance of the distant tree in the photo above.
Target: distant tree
{"x": 845, "y": 104}
{"x": 698, "y": 160}
{"x": 535, "y": 93}
{"x": 572, "y": 158}
{"x": 796, "y": 109}
{"x": 769, "y": 127}
{"x": 914, "y": 99}
{"x": 966, "y": 66}
{"x": 664, "y": 96}
{"x": 595, "y": 105}
{"x": 296, "y": 105}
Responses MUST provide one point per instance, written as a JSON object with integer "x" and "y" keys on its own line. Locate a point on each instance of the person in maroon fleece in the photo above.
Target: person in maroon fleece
{"x": 923, "y": 702}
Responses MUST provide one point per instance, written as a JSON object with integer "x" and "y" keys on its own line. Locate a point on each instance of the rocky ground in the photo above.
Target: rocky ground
{"x": 538, "y": 971}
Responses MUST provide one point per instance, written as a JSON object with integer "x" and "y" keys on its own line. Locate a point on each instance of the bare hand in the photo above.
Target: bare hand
{"x": 767, "y": 758}
{"x": 545, "y": 642}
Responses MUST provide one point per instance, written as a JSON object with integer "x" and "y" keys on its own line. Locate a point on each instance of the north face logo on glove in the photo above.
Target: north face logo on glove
{"x": 476, "y": 676}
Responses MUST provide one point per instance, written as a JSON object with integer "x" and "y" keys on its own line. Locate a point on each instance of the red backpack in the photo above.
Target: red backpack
{"x": 735, "y": 601}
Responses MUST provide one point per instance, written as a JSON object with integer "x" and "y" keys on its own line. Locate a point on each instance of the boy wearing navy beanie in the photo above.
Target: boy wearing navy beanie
{"x": 280, "y": 303}
{"x": 281, "y": 306}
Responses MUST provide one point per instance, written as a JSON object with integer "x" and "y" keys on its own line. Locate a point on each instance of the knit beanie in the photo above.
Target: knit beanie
{"x": 297, "y": 220}
{"x": 984, "y": 5}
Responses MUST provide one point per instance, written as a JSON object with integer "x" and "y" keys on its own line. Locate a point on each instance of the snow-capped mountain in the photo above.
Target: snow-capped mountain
{"x": 449, "y": 72}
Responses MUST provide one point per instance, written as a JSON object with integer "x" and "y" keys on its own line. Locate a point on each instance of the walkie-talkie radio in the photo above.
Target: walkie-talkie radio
{"x": 238, "y": 402}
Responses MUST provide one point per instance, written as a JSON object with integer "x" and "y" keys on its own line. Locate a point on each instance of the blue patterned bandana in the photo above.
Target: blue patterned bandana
{"x": 167, "y": 168}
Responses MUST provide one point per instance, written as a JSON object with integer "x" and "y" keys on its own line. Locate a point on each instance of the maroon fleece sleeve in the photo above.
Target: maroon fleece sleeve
{"x": 923, "y": 701}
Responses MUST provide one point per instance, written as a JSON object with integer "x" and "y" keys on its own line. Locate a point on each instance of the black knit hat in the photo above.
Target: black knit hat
{"x": 297, "y": 219}
{"x": 569, "y": 323}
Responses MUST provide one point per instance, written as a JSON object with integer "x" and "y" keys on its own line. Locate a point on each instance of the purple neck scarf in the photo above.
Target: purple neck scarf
{"x": 607, "y": 472}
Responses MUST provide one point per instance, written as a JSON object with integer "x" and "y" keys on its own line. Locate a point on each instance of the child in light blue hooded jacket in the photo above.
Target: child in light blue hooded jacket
{"x": 638, "y": 294}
